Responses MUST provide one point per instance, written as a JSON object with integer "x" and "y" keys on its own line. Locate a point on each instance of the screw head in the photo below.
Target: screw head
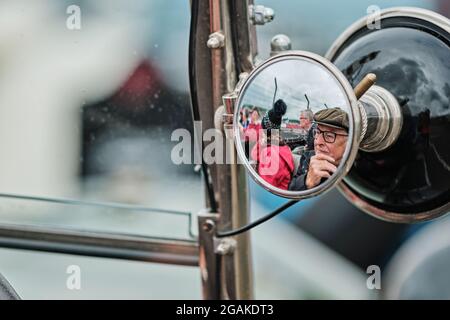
{"x": 213, "y": 43}
{"x": 269, "y": 14}
{"x": 208, "y": 225}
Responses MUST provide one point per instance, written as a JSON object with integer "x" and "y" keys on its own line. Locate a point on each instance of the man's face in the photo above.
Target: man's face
{"x": 335, "y": 149}
{"x": 255, "y": 116}
{"x": 305, "y": 123}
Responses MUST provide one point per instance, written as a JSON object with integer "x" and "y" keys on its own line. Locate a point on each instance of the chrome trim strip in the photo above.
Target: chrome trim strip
{"x": 99, "y": 244}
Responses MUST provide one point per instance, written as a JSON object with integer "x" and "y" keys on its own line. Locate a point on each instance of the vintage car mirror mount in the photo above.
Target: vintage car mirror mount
{"x": 397, "y": 169}
{"x": 381, "y": 119}
{"x": 377, "y": 124}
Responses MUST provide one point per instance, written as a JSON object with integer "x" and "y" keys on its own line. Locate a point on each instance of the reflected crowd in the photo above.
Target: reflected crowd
{"x": 294, "y": 154}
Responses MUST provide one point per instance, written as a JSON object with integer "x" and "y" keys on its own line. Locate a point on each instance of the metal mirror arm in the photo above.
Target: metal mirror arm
{"x": 381, "y": 117}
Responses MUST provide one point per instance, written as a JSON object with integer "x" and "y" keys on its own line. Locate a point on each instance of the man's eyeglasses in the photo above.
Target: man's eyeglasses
{"x": 328, "y": 136}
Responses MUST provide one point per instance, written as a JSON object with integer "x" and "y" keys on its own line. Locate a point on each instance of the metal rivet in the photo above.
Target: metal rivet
{"x": 280, "y": 43}
{"x": 208, "y": 225}
{"x": 216, "y": 40}
{"x": 260, "y": 15}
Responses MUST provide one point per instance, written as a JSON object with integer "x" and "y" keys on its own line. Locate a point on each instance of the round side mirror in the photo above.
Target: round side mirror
{"x": 294, "y": 112}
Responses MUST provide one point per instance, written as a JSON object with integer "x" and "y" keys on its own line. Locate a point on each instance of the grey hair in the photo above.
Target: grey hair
{"x": 307, "y": 114}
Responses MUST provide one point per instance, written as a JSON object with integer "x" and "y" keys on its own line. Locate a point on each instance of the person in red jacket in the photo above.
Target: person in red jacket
{"x": 274, "y": 160}
{"x": 253, "y": 129}
{"x": 252, "y": 132}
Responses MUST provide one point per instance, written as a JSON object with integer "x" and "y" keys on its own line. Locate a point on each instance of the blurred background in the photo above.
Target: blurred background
{"x": 88, "y": 114}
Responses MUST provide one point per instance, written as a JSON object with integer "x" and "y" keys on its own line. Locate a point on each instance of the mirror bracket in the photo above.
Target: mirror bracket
{"x": 242, "y": 78}
{"x": 224, "y": 116}
{"x": 227, "y": 114}
{"x": 381, "y": 119}
{"x": 229, "y": 99}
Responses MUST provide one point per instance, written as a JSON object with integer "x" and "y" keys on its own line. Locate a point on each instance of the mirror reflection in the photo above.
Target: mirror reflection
{"x": 293, "y": 124}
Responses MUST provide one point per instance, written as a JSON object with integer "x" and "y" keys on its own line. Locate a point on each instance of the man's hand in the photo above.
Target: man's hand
{"x": 320, "y": 166}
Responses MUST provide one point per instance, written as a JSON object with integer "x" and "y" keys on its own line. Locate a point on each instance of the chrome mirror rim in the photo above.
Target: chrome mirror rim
{"x": 394, "y": 12}
{"x": 354, "y": 120}
{"x": 390, "y": 216}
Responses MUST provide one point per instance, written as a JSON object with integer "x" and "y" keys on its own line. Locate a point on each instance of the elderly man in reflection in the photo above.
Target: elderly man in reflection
{"x": 330, "y": 139}
{"x": 306, "y": 119}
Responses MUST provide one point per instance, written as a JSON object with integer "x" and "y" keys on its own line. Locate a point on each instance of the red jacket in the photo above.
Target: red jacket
{"x": 275, "y": 164}
{"x": 251, "y": 133}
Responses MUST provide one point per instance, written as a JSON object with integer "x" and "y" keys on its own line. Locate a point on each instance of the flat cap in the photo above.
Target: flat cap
{"x": 333, "y": 117}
